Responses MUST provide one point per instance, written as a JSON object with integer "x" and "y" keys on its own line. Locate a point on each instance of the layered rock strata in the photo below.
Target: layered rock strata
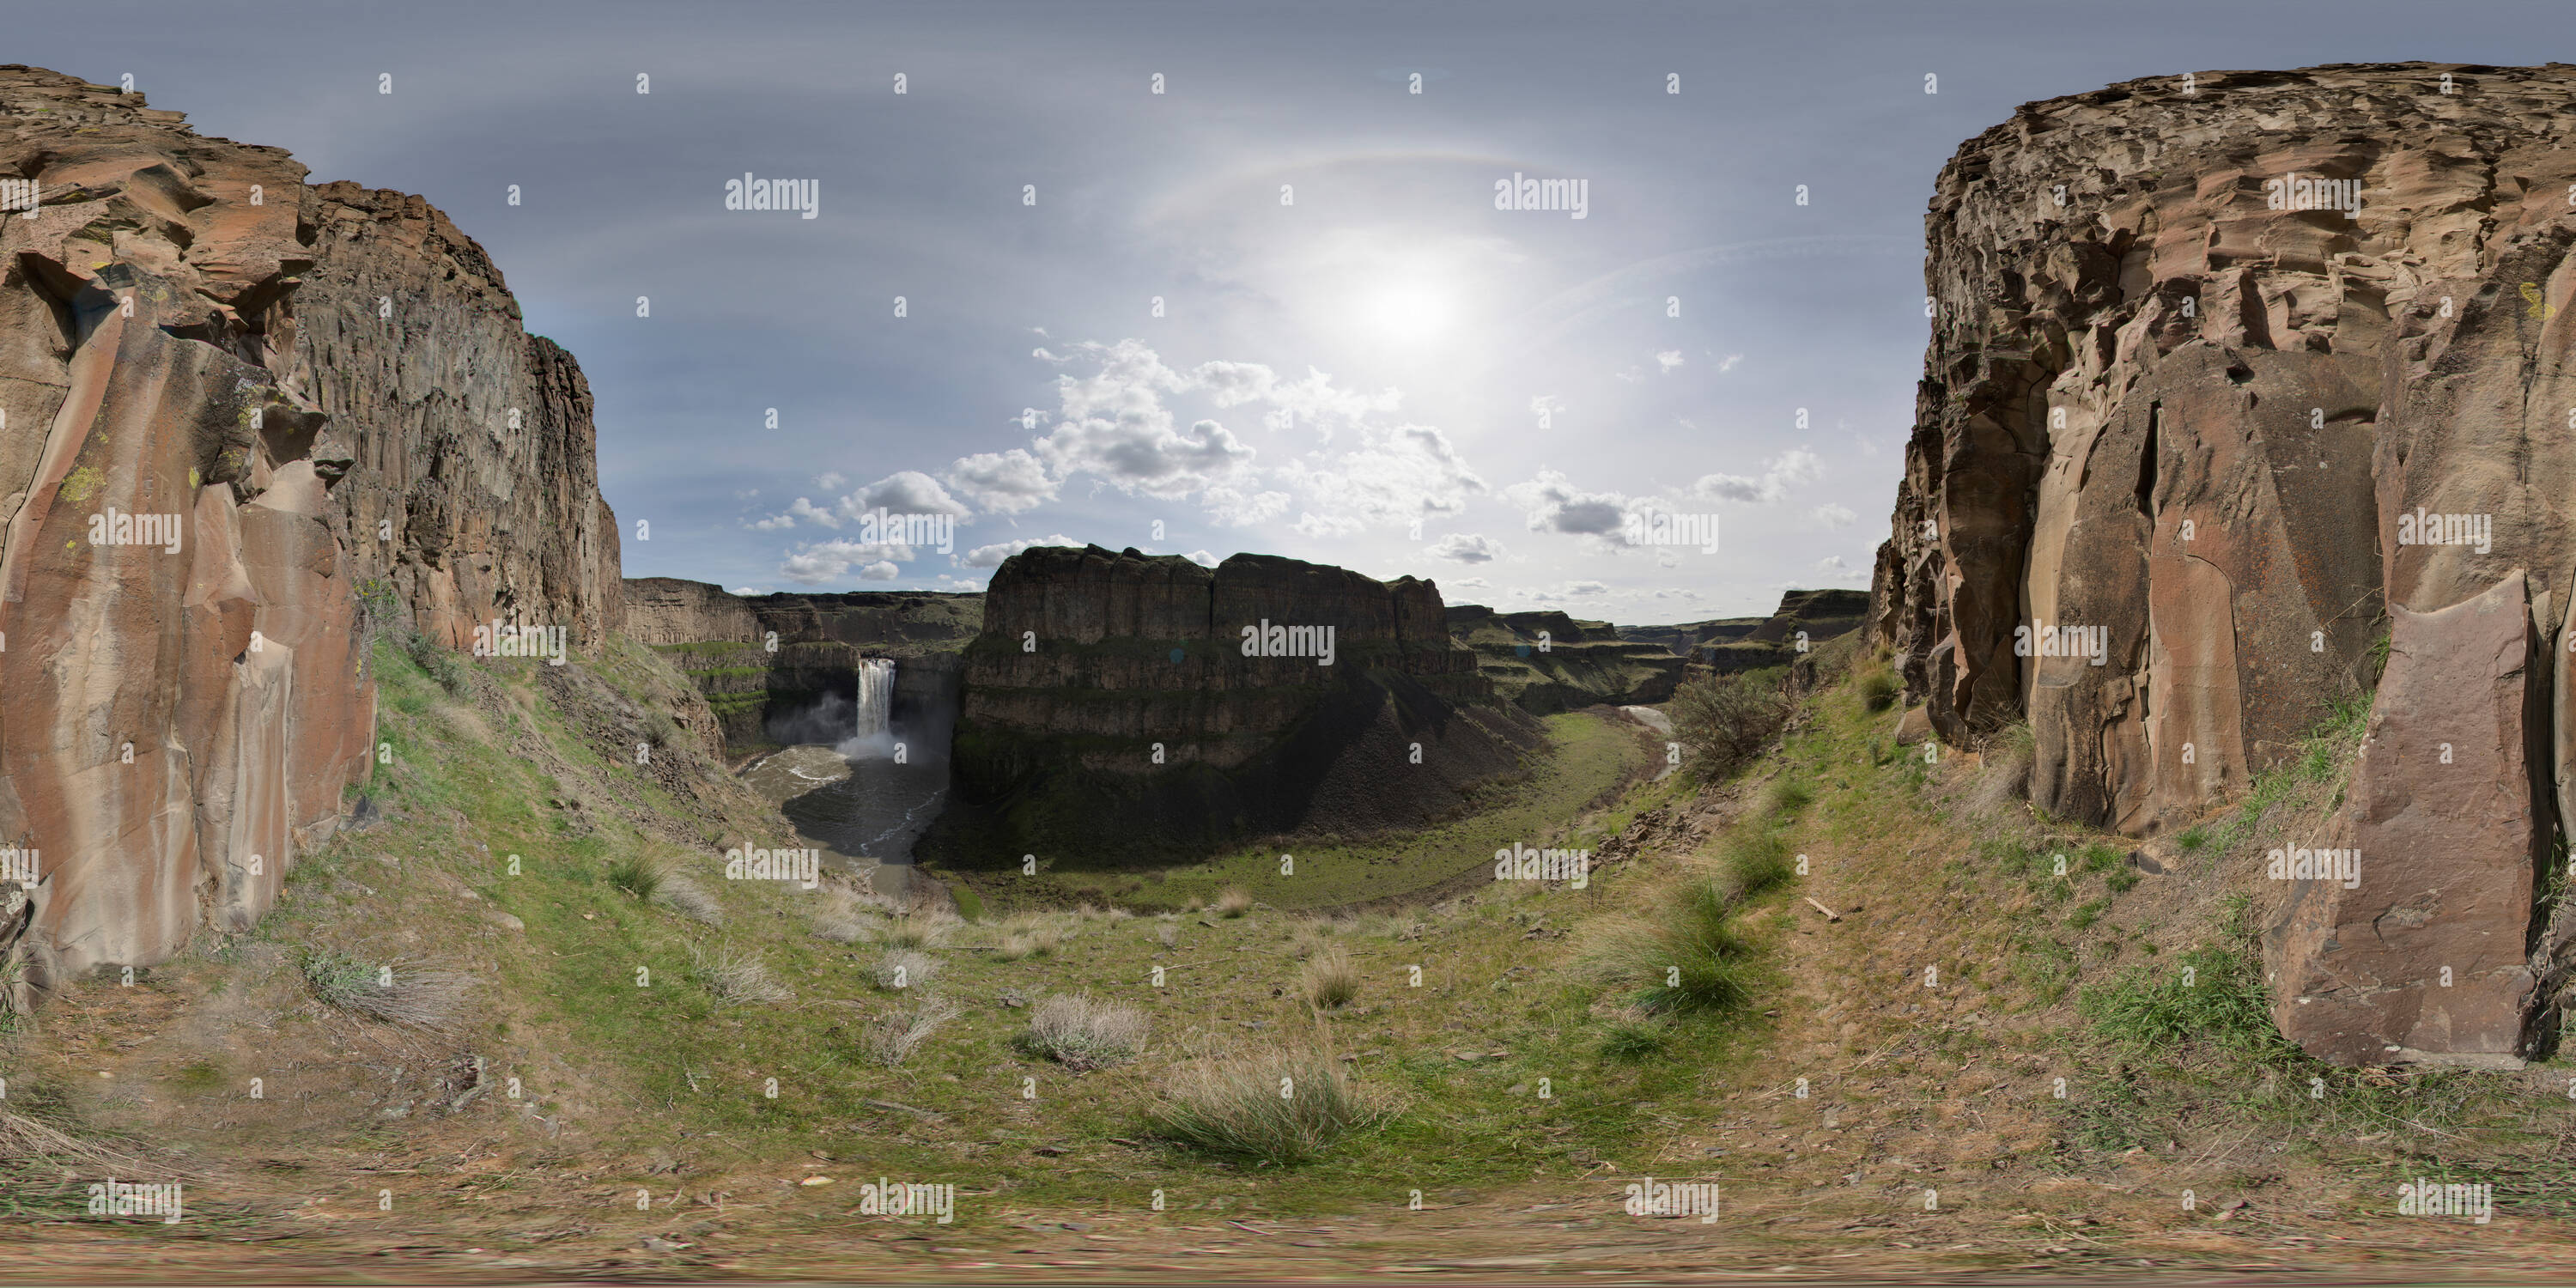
{"x": 2233, "y": 376}
{"x": 215, "y": 382}
{"x": 1113, "y": 701}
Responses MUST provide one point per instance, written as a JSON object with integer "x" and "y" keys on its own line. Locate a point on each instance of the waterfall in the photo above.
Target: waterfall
{"x": 871, "y": 736}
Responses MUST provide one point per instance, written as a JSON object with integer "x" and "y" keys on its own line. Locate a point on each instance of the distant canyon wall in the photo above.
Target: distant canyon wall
{"x": 765, "y": 661}
{"x": 1112, "y": 704}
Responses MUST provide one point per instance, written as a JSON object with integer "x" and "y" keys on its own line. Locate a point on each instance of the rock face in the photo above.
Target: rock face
{"x": 471, "y": 440}
{"x": 1545, "y": 661}
{"x": 1110, "y": 703}
{"x": 2423, "y": 954}
{"x": 2227, "y": 380}
{"x": 195, "y": 386}
{"x": 723, "y": 642}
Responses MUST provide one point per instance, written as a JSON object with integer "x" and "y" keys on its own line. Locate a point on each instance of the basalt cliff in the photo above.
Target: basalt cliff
{"x": 2238, "y": 384}
{"x": 244, "y": 422}
{"x": 1118, "y": 703}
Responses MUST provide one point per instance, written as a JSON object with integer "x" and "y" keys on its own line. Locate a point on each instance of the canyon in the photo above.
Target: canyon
{"x": 2171, "y": 399}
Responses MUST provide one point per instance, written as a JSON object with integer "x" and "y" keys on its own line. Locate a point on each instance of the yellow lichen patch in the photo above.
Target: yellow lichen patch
{"x": 82, "y": 484}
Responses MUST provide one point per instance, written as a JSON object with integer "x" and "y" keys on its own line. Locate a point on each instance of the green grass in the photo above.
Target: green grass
{"x": 1586, "y": 763}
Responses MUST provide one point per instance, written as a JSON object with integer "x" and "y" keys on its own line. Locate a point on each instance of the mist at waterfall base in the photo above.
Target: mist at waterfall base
{"x": 838, "y": 780}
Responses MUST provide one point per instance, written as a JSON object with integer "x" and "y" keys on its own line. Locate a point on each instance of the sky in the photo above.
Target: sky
{"x": 1273, "y": 307}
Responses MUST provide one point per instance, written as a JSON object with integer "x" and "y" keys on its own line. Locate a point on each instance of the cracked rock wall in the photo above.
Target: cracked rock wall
{"x": 2197, "y": 348}
{"x": 205, "y": 413}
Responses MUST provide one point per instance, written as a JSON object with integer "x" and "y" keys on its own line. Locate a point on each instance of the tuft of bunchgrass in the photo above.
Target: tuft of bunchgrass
{"x": 1690, "y": 958}
{"x": 1329, "y": 980}
{"x": 638, "y": 876}
{"x": 903, "y": 968}
{"x": 2212, "y": 995}
{"x": 735, "y": 979}
{"x": 924, "y": 928}
{"x": 404, "y": 993}
{"x": 1233, "y": 902}
{"x": 892, "y": 1037}
{"x": 1757, "y": 859}
{"x": 1786, "y": 797}
{"x": 1878, "y": 689}
{"x": 687, "y": 898}
{"x": 843, "y": 918}
{"x": 1280, "y": 1106}
{"x": 1079, "y": 1033}
{"x": 1631, "y": 1042}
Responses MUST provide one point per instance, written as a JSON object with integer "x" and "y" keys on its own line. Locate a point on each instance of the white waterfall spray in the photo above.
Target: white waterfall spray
{"x": 871, "y": 736}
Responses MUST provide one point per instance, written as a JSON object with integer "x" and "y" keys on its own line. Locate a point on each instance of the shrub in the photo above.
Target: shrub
{"x": 1078, "y": 1033}
{"x": 1878, "y": 689}
{"x": 436, "y": 662}
{"x": 1234, "y": 1106}
{"x": 891, "y": 1037}
{"x": 1725, "y": 721}
{"x": 394, "y": 993}
{"x": 1232, "y": 903}
{"x": 1330, "y": 980}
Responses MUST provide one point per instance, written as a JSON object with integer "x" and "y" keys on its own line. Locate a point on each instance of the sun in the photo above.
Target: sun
{"x": 1406, "y": 314}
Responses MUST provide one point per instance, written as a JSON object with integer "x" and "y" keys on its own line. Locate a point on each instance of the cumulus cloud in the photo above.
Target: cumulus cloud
{"x": 1580, "y": 588}
{"x": 1230, "y": 506}
{"x": 1009, "y": 482}
{"x": 1202, "y": 558}
{"x": 1834, "y": 516}
{"x": 992, "y": 556}
{"x": 1466, "y": 548}
{"x": 1667, "y": 360}
{"x": 1312, "y": 400}
{"x": 828, "y": 480}
{"x": 1795, "y": 466}
{"x": 1727, "y": 363}
{"x": 815, "y": 564}
{"x": 1395, "y": 475}
{"x": 801, "y": 510}
{"x": 905, "y": 492}
{"x": 1554, "y": 504}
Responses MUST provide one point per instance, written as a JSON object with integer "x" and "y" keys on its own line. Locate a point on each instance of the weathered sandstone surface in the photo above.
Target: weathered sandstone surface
{"x": 2202, "y": 355}
{"x": 226, "y": 400}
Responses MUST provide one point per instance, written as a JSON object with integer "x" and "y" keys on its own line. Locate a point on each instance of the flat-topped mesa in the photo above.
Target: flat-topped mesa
{"x": 1256, "y": 695}
{"x": 1062, "y": 619}
{"x": 225, "y": 399}
{"x": 2227, "y": 372}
